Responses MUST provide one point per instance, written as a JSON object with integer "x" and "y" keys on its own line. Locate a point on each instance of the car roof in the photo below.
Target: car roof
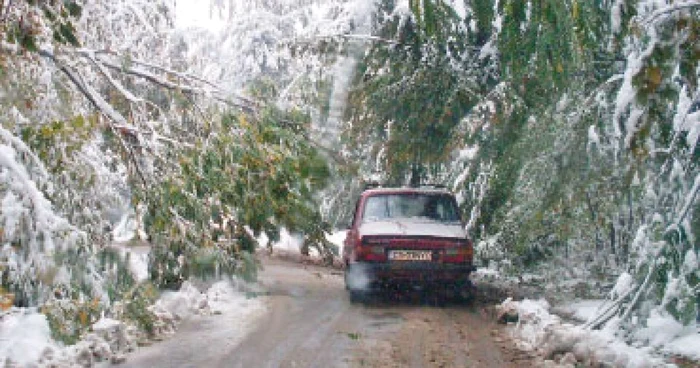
{"x": 406, "y": 190}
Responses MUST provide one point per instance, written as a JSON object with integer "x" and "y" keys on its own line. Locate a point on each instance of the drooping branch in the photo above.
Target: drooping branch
{"x": 690, "y": 200}
{"x": 692, "y": 4}
{"x": 105, "y": 108}
{"x": 139, "y": 69}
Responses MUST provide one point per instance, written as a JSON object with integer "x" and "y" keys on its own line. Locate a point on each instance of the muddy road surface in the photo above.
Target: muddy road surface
{"x": 311, "y": 323}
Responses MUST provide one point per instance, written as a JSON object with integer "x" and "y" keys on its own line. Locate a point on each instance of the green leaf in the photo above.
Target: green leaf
{"x": 74, "y": 9}
{"x": 28, "y": 42}
{"x": 67, "y": 31}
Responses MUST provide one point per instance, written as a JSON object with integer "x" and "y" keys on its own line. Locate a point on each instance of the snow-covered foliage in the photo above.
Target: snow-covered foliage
{"x": 112, "y": 116}
{"x": 568, "y": 129}
{"x": 26, "y": 337}
{"x": 63, "y": 180}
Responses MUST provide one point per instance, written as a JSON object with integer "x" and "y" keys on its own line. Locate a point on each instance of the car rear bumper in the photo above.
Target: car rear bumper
{"x": 379, "y": 274}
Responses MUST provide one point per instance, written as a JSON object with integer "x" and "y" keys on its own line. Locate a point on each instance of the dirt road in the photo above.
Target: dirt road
{"x": 310, "y": 323}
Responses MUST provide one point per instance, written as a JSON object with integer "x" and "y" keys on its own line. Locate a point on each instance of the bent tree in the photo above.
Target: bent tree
{"x": 101, "y": 119}
{"x": 569, "y": 129}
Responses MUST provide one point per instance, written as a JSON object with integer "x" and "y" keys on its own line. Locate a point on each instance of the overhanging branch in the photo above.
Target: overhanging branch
{"x": 669, "y": 10}
{"x": 102, "y": 106}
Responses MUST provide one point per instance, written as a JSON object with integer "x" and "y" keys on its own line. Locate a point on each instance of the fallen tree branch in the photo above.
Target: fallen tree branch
{"x": 609, "y": 312}
{"x": 247, "y": 105}
{"x": 102, "y": 106}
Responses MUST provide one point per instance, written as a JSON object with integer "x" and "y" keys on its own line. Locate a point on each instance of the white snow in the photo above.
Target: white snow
{"x": 490, "y": 248}
{"x": 690, "y": 263}
{"x": 537, "y": 328}
{"x": 182, "y": 303}
{"x": 138, "y": 259}
{"x": 625, "y": 283}
{"x": 106, "y": 324}
{"x": 662, "y": 328}
{"x": 593, "y": 138}
{"x": 488, "y": 50}
{"x": 413, "y": 227}
{"x": 616, "y": 15}
{"x": 687, "y": 346}
{"x": 468, "y": 153}
{"x": 224, "y": 313}
{"x": 24, "y": 335}
{"x": 290, "y": 243}
{"x": 202, "y": 14}
{"x": 125, "y": 229}
{"x": 584, "y": 310}
{"x": 533, "y": 320}
{"x": 337, "y": 237}
{"x": 223, "y": 297}
{"x": 459, "y": 7}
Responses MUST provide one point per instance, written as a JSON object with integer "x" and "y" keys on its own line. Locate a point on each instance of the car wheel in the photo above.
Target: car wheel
{"x": 466, "y": 292}
{"x": 357, "y": 296}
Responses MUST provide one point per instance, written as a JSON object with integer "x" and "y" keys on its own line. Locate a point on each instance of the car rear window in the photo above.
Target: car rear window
{"x": 436, "y": 207}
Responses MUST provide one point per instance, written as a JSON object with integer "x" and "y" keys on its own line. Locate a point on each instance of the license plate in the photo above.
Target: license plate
{"x": 410, "y": 255}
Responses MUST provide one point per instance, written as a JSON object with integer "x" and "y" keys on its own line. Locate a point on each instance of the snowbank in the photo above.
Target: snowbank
{"x": 25, "y": 337}
{"x": 538, "y": 329}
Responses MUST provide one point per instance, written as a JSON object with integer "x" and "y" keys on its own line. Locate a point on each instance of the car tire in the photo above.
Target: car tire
{"x": 345, "y": 277}
{"x": 357, "y": 296}
{"x": 465, "y": 292}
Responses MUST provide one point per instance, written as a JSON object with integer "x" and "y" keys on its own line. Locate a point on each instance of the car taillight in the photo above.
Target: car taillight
{"x": 376, "y": 246}
{"x": 371, "y": 250}
{"x": 463, "y": 252}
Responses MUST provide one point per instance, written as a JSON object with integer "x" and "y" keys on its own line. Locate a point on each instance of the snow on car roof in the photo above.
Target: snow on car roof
{"x": 407, "y": 190}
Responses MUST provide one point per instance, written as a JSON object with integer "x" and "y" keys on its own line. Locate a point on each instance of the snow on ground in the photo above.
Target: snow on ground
{"x": 687, "y": 346}
{"x": 222, "y": 297}
{"x": 583, "y": 310}
{"x": 668, "y": 335}
{"x": 539, "y": 329}
{"x": 24, "y": 335}
{"x": 554, "y": 331}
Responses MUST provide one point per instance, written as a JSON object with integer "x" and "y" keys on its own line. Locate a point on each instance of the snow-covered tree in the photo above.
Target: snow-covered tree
{"x": 576, "y": 143}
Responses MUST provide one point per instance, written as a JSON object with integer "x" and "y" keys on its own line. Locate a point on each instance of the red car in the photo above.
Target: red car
{"x": 407, "y": 238}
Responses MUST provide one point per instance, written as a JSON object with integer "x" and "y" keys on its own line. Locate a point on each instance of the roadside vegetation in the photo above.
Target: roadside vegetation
{"x": 568, "y": 130}
{"x": 100, "y": 122}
